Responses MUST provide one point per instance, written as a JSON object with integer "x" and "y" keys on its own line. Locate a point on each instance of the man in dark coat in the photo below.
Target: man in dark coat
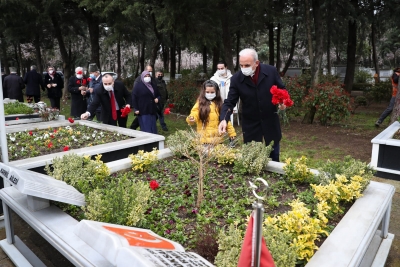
{"x": 3, "y": 75}
{"x": 13, "y": 85}
{"x": 55, "y": 85}
{"x": 77, "y": 86}
{"x": 252, "y": 84}
{"x": 102, "y": 97}
{"x": 95, "y": 80}
{"x": 33, "y": 81}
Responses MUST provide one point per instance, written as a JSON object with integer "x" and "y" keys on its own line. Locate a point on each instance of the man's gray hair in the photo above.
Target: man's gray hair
{"x": 249, "y": 51}
{"x": 33, "y": 67}
{"x": 106, "y": 75}
{"x": 78, "y": 69}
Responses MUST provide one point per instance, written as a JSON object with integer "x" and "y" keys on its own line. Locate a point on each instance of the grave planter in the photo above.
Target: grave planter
{"x": 385, "y": 151}
{"x": 110, "y": 152}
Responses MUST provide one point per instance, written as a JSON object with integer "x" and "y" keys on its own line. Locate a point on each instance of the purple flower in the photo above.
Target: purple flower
{"x": 167, "y": 231}
{"x": 195, "y": 211}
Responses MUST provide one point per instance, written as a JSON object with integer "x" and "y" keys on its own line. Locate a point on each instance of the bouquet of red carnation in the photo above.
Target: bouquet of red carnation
{"x": 125, "y": 111}
{"x": 281, "y": 97}
{"x": 167, "y": 111}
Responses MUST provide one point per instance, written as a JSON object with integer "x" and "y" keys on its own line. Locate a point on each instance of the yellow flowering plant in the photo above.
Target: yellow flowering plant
{"x": 142, "y": 161}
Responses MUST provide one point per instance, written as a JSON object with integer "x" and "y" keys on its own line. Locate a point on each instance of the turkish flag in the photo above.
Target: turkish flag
{"x": 246, "y": 258}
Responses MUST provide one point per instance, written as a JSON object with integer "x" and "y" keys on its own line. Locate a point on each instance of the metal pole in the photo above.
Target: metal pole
{"x": 3, "y": 137}
{"x": 258, "y": 217}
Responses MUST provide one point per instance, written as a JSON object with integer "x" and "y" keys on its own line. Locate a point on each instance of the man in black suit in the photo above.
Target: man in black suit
{"x": 13, "y": 85}
{"x": 3, "y": 75}
{"x": 252, "y": 85}
{"x": 33, "y": 81}
{"x": 112, "y": 96}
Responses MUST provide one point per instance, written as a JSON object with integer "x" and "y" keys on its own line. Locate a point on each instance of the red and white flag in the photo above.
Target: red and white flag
{"x": 246, "y": 258}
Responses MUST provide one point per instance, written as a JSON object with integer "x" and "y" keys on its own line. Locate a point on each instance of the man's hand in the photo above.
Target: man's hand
{"x": 90, "y": 90}
{"x": 156, "y": 100}
{"x": 85, "y": 115}
{"x": 83, "y": 92}
{"x": 137, "y": 112}
{"x": 48, "y": 85}
{"x": 54, "y": 84}
{"x": 222, "y": 127}
{"x": 282, "y": 107}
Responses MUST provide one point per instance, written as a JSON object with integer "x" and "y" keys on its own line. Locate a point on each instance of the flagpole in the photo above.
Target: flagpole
{"x": 3, "y": 136}
{"x": 258, "y": 214}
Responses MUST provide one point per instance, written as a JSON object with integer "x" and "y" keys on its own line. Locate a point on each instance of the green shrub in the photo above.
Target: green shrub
{"x": 229, "y": 245}
{"x": 361, "y": 87}
{"x": 381, "y": 91}
{"x": 79, "y": 171}
{"x": 332, "y": 103}
{"x": 252, "y": 158}
{"x": 362, "y": 76}
{"x": 123, "y": 201}
{"x": 17, "y": 108}
{"x": 143, "y": 161}
{"x": 183, "y": 93}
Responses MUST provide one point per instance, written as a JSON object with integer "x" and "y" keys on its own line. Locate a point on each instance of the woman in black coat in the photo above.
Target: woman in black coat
{"x": 145, "y": 96}
{"x": 54, "y": 84}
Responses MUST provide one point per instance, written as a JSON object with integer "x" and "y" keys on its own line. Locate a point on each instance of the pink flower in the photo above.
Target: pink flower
{"x": 154, "y": 185}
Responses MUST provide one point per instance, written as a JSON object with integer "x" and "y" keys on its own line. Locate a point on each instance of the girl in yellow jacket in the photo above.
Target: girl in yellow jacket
{"x": 206, "y": 114}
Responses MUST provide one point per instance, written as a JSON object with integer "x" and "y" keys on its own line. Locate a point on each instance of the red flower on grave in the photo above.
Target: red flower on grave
{"x": 154, "y": 185}
{"x": 171, "y": 105}
{"x": 55, "y": 130}
{"x": 16, "y": 118}
{"x": 30, "y": 133}
{"x": 52, "y": 136}
{"x": 66, "y": 148}
{"x": 71, "y": 120}
{"x": 50, "y": 145}
{"x": 167, "y": 111}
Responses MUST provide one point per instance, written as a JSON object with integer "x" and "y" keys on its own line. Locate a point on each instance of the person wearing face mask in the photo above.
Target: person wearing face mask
{"x": 145, "y": 97}
{"x": 112, "y": 96}
{"x": 252, "y": 85}
{"x": 95, "y": 80}
{"x": 205, "y": 113}
{"x": 54, "y": 84}
{"x": 162, "y": 88}
{"x": 77, "y": 86}
{"x": 223, "y": 78}
{"x": 149, "y": 68}
{"x": 33, "y": 81}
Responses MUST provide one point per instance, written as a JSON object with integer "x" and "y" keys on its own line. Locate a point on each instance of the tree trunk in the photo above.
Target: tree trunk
{"x": 119, "y": 58}
{"x": 205, "y": 59}
{"x": 374, "y": 54}
{"x": 237, "y": 50}
{"x": 165, "y": 54}
{"x": 271, "y": 43}
{"x": 173, "y": 57}
{"x": 4, "y": 57}
{"x": 63, "y": 51}
{"x": 226, "y": 34}
{"x": 94, "y": 36}
{"x": 21, "y": 60}
{"x": 278, "y": 48}
{"x": 319, "y": 43}
{"x": 293, "y": 43}
{"x": 138, "y": 61}
{"x": 351, "y": 55}
{"x": 16, "y": 58}
{"x": 179, "y": 58}
{"x": 36, "y": 42}
{"x": 142, "y": 56}
{"x": 309, "y": 32}
{"x": 215, "y": 59}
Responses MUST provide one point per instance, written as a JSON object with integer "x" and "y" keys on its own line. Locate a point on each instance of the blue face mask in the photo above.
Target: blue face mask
{"x": 92, "y": 76}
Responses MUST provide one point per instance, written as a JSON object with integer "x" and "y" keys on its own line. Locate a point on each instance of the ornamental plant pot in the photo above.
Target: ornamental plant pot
{"x": 385, "y": 151}
{"x": 110, "y": 152}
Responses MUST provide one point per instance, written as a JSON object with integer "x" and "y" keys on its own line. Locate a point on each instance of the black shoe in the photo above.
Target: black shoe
{"x": 378, "y": 123}
{"x": 165, "y": 129}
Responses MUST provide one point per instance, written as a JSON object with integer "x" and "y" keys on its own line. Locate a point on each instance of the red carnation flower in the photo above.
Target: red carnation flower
{"x": 279, "y": 97}
{"x": 154, "y": 185}
{"x": 51, "y": 136}
{"x": 89, "y": 79}
{"x": 171, "y": 105}
{"x": 71, "y": 120}
{"x": 84, "y": 82}
{"x": 55, "y": 130}
{"x": 125, "y": 111}
{"x": 167, "y": 111}
{"x": 30, "y": 133}
{"x": 16, "y": 118}
{"x": 78, "y": 81}
{"x": 50, "y": 145}
{"x": 66, "y": 148}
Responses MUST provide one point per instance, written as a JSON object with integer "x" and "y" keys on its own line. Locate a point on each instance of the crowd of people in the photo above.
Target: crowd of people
{"x": 107, "y": 99}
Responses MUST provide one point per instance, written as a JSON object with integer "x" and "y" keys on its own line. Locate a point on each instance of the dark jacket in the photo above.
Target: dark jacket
{"x": 78, "y": 101}
{"x": 102, "y": 98}
{"x": 162, "y": 88}
{"x": 14, "y": 84}
{"x": 259, "y": 115}
{"x": 33, "y": 81}
{"x": 93, "y": 84}
{"x": 143, "y": 99}
{"x": 5, "y": 94}
{"x": 54, "y": 92}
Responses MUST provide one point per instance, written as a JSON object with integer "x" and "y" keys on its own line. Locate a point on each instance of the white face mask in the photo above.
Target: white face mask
{"x": 79, "y": 76}
{"x": 147, "y": 79}
{"x": 247, "y": 71}
{"x": 221, "y": 72}
{"x": 211, "y": 96}
{"x": 151, "y": 73}
{"x": 51, "y": 71}
{"x": 108, "y": 87}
